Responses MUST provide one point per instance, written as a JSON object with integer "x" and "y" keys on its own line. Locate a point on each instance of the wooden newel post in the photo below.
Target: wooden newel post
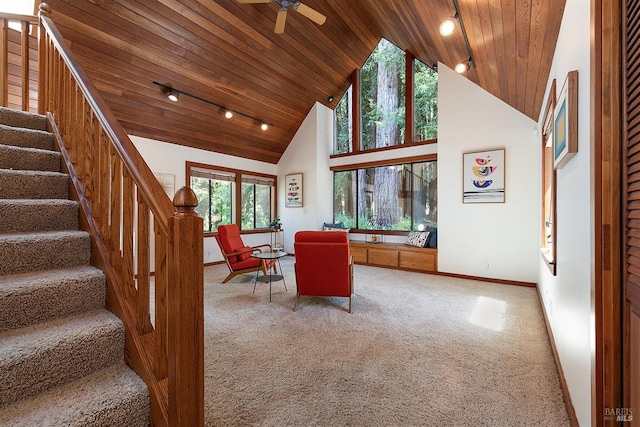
{"x": 185, "y": 312}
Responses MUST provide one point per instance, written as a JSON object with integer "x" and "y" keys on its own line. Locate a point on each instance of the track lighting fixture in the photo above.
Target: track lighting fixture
{"x": 463, "y": 67}
{"x": 448, "y": 25}
{"x": 173, "y": 95}
{"x": 330, "y": 99}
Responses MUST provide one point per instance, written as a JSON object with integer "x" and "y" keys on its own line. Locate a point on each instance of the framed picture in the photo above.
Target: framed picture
{"x": 483, "y": 177}
{"x": 565, "y": 129}
{"x": 293, "y": 187}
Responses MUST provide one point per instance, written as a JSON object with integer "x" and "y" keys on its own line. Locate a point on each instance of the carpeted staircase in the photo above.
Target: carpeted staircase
{"x": 61, "y": 351}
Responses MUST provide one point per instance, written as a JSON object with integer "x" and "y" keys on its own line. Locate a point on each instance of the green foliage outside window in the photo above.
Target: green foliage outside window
{"x": 426, "y": 102}
{"x": 256, "y": 206}
{"x": 382, "y": 101}
{"x": 214, "y": 201}
{"x": 397, "y": 197}
{"x": 382, "y": 86}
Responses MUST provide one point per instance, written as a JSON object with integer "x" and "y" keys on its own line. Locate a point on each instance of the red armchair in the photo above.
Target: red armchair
{"x": 237, "y": 255}
{"x": 323, "y": 265}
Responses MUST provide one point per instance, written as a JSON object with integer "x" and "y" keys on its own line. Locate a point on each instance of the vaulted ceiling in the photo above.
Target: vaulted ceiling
{"x": 228, "y": 53}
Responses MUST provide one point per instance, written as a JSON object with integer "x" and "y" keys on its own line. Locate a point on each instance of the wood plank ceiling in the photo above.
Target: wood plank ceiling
{"x": 228, "y": 53}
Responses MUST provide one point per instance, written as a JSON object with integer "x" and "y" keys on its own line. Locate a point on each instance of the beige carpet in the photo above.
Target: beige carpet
{"x": 418, "y": 350}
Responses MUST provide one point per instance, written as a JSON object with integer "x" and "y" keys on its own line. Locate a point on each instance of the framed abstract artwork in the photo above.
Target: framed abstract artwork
{"x": 293, "y": 188}
{"x": 483, "y": 177}
{"x": 565, "y": 129}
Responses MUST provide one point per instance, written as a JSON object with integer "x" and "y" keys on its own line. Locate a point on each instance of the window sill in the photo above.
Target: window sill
{"x": 548, "y": 260}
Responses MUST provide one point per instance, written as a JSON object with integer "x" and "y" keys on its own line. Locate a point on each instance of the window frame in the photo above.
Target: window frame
{"x": 409, "y": 107}
{"x": 381, "y": 163}
{"x": 548, "y": 184}
{"x": 236, "y": 215}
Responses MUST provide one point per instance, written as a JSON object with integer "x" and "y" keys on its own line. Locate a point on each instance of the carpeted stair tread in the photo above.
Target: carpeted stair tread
{"x": 20, "y": 158}
{"x": 37, "y": 358}
{"x": 18, "y": 184}
{"x": 30, "y": 298}
{"x": 114, "y": 397}
{"x": 22, "y": 119}
{"x": 24, "y": 252}
{"x": 61, "y": 352}
{"x": 21, "y": 137}
{"x": 22, "y": 215}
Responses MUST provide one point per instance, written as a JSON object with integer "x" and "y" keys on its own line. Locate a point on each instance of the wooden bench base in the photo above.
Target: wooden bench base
{"x": 395, "y": 256}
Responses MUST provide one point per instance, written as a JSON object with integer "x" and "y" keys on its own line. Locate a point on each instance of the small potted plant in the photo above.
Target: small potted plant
{"x": 275, "y": 223}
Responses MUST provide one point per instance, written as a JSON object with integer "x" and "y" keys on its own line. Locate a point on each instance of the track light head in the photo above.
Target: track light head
{"x": 173, "y": 95}
{"x": 448, "y": 26}
{"x": 264, "y": 126}
{"x": 463, "y": 67}
{"x": 228, "y": 114}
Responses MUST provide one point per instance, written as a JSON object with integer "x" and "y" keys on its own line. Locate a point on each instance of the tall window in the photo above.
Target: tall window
{"x": 548, "y": 247}
{"x": 214, "y": 190}
{"x": 228, "y": 196}
{"x": 372, "y": 113}
{"x": 425, "y": 105}
{"x": 256, "y": 201}
{"x": 387, "y": 197}
{"x": 382, "y": 100}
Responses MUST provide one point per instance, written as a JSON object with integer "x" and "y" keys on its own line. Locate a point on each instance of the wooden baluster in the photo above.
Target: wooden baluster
{"x": 115, "y": 196}
{"x": 24, "y": 43}
{"x": 143, "y": 317}
{"x": 128, "y": 221}
{"x": 185, "y": 324}
{"x": 76, "y": 120}
{"x": 160, "y": 323}
{"x": 89, "y": 151}
{"x": 4, "y": 61}
{"x": 105, "y": 183}
{"x": 44, "y": 66}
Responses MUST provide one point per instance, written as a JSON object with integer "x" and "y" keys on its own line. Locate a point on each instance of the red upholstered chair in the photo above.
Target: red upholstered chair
{"x": 323, "y": 264}
{"x": 237, "y": 255}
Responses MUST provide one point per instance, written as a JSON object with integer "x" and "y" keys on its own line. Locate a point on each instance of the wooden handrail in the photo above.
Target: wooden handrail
{"x": 136, "y": 229}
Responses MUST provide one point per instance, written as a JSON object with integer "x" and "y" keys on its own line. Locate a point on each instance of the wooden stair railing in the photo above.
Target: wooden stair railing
{"x": 150, "y": 249}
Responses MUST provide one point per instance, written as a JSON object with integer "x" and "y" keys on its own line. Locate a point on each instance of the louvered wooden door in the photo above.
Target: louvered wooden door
{"x": 631, "y": 211}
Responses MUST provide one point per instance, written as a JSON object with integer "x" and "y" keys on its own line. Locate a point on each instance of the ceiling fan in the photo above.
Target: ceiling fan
{"x": 310, "y": 13}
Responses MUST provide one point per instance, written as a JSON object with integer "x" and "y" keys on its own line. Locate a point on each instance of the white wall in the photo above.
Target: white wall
{"x": 470, "y": 236}
{"x": 566, "y": 297}
{"x": 308, "y": 153}
{"x": 171, "y": 159}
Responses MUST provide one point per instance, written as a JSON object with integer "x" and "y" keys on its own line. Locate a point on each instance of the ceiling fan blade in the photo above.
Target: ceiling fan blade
{"x": 312, "y": 14}
{"x": 253, "y": 1}
{"x": 280, "y": 20}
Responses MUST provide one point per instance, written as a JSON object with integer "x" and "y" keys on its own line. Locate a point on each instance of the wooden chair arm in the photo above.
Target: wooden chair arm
{"x": 244, "y": 251}
{"x": 266, "y": 245}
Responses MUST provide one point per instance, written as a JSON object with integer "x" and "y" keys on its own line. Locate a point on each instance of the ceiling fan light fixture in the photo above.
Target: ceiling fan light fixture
{"x": 448, "y": 26}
